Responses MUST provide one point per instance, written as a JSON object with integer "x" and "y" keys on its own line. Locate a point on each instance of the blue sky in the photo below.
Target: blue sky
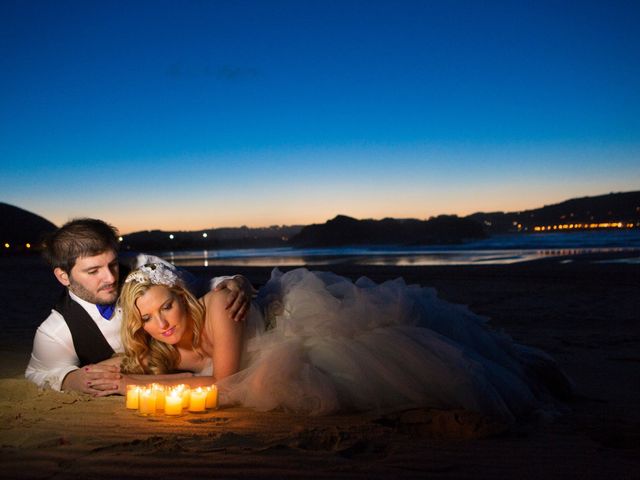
{"x": 199, "y": 114}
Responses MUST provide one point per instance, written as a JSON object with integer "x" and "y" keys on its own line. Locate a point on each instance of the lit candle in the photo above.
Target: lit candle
{"x": 160, "y": 393}
{"x": 147, "y": 402}
{"x": 186, "y": 395}
{"x": 212, "y": 396}
{"x": 133, "y": 393}
{"x": 173, "y": 402}
{"x": 198, "y": 400}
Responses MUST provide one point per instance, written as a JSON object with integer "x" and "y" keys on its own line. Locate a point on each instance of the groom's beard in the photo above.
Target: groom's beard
{"x": 106, "y": 294}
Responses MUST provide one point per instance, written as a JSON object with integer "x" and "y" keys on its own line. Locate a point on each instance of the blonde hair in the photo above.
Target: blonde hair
{"x": 143, "y": 354}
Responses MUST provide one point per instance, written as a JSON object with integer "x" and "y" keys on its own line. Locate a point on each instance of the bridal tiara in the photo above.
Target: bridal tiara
{"x": 154, "y": 273}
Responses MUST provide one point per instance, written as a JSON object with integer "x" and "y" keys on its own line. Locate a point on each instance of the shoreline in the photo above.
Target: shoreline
{"x": 583, "y": 313}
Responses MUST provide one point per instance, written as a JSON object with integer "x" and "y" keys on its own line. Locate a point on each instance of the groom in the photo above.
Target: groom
{"x": 72, "y": 348}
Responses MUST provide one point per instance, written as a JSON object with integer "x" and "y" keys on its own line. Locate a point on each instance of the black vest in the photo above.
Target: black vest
{"x": 90, "y": 344}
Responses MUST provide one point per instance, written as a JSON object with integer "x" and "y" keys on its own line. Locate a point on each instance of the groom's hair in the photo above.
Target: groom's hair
{"x": 81, "y": 237}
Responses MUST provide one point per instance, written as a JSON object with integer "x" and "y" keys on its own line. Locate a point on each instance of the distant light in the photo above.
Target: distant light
{"x": 120, "y": 239}
{"x": 171, "y": 237}
{"x": 28, "y": 245}
{"x": 6, "y": 245}
{"x": 204, "y": 234}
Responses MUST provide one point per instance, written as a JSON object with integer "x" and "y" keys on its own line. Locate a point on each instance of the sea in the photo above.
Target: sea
{"x": 498, "y": 249}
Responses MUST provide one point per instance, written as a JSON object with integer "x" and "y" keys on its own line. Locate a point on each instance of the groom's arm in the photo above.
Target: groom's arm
{"x": 240, "y": 294}
{"x": 55, "y": 364}
{"x": 50, "y": 360}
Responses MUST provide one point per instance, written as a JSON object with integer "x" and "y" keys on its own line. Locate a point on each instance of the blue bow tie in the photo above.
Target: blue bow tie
{"x": 106, "y": 310}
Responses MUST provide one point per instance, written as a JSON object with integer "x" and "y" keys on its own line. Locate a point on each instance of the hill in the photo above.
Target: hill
{"x": 343, "y": 230}
{"x": 586, "y": 212}
{"x": 212, "y": 239}
{"x": 611, "y": 208}
{"x": 19, "y": 227}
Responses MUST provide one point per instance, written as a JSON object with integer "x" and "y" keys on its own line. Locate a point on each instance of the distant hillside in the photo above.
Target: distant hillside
{"x": 19, "y": 227}
{"x": 211, "y": 239}
{"x": 614, "y": 207}
{"x": 343, "y": 230}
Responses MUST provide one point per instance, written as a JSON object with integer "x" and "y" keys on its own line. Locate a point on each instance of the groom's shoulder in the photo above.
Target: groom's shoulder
{"x": 52, "y": 323}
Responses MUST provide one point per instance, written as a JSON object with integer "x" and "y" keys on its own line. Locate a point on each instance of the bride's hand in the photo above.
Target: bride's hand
{"x": 239, "y": 300}
{"x": 92, "y": 378}
{"x": 119, "y": 387}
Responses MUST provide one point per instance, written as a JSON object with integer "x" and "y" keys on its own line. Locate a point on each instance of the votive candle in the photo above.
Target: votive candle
{"x": 212, "y": 396}
{"x": 198, "y": 400}
{"x": 147, "y": 402}
{"x": 133, "y": 394}
{"x": 186, "y": 396}
{"x": 173, "y": 402}
{"x": 184, "y": 391}
{"x": 160, "y": 394}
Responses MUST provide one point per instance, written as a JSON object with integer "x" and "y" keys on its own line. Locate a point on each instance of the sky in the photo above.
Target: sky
{"x": 194, "y": 114}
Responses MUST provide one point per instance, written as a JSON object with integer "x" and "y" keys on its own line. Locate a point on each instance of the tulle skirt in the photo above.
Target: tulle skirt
{"x": 318, "y": 343}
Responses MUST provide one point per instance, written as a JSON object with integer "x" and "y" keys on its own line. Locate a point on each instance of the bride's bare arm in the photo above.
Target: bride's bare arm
{"x": 223, "y": 333}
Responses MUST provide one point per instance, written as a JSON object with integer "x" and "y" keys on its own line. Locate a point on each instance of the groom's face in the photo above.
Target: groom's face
{"x": 95, "y": 279}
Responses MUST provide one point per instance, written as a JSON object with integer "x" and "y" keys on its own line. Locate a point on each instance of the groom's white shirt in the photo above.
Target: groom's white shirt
{"x": 54, "y": 356}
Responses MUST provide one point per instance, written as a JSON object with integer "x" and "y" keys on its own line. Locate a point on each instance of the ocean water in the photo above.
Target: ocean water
{"x": 499, "y": 249}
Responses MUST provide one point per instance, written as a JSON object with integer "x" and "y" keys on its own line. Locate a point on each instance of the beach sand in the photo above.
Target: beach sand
{"x": 584, "y": 313}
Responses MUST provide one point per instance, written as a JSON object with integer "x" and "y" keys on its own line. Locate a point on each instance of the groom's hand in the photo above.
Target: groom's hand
{"x": 241, "y": 293}
{"x": 92, "y": 378}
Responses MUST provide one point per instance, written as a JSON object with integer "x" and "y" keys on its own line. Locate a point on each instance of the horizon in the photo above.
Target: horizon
{"x": 180, "y": 118}
{"x": 336, "y": 215}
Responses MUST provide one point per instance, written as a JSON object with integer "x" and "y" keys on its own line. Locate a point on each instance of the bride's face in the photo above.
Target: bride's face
{"x": 163, "y": 314}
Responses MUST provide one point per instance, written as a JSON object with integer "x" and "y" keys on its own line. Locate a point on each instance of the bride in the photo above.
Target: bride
{"x": 318, "y": 343}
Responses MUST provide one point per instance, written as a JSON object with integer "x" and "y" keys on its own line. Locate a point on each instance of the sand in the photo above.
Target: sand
{"x": 585, "y": 313}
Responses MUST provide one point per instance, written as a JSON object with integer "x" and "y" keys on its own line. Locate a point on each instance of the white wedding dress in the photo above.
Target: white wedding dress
{"x": 333, "y": 345}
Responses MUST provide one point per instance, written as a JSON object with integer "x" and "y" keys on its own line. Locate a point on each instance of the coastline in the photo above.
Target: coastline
{"x": 584, "y": 313}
